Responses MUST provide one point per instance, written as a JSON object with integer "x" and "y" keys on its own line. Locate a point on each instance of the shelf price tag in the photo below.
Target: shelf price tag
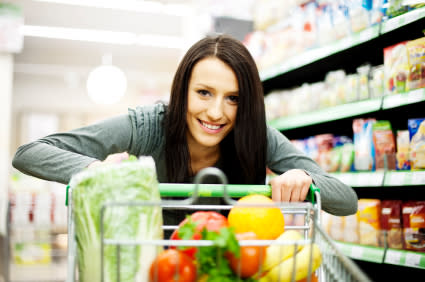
{"x": 418, "y": 177}
{"x": 356, "y": 252}
{"x": 393, "y": 257}
{"x": 413, "y": 259}
{"x": 397, "y": 178}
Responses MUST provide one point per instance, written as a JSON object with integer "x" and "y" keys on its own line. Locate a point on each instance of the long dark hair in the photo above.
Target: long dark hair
{"x": 243, "y": 151}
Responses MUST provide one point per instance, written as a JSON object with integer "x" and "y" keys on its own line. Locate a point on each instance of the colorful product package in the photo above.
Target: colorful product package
{"x": 416, "y": 57}
{"x": 402, "y": 155}
{"x": 417, "y": 142}
{"x": 364, "y": 151}
{"x": 391, "y": 224}
{"x": 414, "y": 225}
{"x": 396, "y": 66}
{"x": 351, "y": 228}
{"x": 324, "y": 145}
{"x": 383, "y": 141}
{"x": 369, "y": 224}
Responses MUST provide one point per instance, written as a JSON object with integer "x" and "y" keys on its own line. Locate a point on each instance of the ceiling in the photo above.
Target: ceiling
{"x": 46, "y": 64}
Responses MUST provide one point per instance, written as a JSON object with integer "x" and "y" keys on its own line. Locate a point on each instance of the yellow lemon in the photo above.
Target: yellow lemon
{"x": 266, "y": 221}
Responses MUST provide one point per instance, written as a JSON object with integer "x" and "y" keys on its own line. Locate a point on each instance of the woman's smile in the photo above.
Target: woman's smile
{"x": 210, "y": 127}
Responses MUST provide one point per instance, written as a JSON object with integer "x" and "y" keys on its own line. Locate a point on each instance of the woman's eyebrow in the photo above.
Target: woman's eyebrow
{"x": 202, "y": 85}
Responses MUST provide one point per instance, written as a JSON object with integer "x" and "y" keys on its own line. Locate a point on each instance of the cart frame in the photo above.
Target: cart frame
{"x": 334, "y": 267}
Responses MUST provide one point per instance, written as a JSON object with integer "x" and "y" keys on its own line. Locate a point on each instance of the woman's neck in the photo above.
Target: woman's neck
{"x": 203, "y": 157}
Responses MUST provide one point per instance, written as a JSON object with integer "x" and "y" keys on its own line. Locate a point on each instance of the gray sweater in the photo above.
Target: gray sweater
{"x": 59, "y": 156}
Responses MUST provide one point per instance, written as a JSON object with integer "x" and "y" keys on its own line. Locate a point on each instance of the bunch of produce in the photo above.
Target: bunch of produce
{"x": 130, "y": 181}
{"x": 254, "y": 218}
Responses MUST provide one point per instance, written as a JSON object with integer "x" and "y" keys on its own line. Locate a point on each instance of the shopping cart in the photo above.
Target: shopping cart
{"x": 334, "y": 266}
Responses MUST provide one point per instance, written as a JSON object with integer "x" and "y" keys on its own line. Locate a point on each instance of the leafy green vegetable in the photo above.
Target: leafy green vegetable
{"x": 132, "y": 181}
{"x": 212, "y": 260}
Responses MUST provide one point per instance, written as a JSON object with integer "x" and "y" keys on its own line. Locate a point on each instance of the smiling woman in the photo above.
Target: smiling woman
{"x": 215, "y": 117}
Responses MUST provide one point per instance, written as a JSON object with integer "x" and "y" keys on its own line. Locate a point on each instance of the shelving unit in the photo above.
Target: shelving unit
{"x": 349, "y": 53}
{"x": 382, "y": 255}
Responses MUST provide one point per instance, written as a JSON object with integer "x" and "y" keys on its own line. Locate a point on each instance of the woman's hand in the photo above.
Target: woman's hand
{"x": 291, "y": 186}
{"x": 111, "y": 159}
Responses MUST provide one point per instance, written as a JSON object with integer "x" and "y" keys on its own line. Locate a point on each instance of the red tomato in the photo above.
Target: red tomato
{"x": 211, "y": 220}
{"x": 251, "y": 258}
{"x": 172, "y": 266}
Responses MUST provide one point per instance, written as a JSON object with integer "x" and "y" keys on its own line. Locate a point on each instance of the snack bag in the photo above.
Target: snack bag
{"x": 416, "y": 57}
{"x": 396, "y": 67}
{"x": 369, "y": 224}
{"x": 391, "y": 223}
{"x": 402, "y": 155}
{"x": 383, "y": 141}
{"x": 414, "y": 225}
{"x": 417, "y": 142}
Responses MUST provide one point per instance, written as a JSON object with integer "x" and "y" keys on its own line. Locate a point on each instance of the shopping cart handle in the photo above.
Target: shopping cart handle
{"x": 216, "y": 190}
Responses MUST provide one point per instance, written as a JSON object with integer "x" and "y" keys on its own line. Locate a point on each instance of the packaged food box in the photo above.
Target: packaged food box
{"x": 364, "y": 151}
{"x": 417, "y": 142}
{"x": 416, "y": 57}
{"x": 396, "y": 67}
{"x": 383, "y": 141}
{"x": 391, "y": 224}
{"x": 402, "y": 155}
{"x": 414, "y": 225}
{"x": 369, "y": 221}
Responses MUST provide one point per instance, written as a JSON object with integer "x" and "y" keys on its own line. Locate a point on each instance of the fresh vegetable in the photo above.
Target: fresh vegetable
{"x": 250, "y": 259}
{"x": 191, "y": 227}
{"x": 283, "y": 271}
{"x": 212, "y": 262}
{"x": 277, "y": 253}
{"x": 259, "y": 215}
{"x": 172, "y": 266}
{"x": 132, "y": 181}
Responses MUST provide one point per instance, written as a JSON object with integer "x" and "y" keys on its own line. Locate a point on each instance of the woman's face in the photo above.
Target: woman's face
{"x": 213, "y": 95}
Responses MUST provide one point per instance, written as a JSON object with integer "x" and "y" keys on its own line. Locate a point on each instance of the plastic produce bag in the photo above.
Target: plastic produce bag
{"x": 130, "y": 181}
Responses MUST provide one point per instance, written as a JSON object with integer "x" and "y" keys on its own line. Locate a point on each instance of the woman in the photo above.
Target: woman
{"x": 215, "y": 117}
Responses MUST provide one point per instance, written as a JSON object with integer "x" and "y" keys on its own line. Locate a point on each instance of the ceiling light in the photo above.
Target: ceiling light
{"x": 129, "y": 5}
{"x": 103, "y": 36}
{"x": 107, "y": 83}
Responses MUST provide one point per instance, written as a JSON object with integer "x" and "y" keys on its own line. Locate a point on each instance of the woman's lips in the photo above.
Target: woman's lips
{"x": 211, "y": 128}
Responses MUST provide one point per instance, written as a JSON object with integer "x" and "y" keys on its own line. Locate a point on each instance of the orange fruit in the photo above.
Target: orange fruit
{"x": 266, "y": 221}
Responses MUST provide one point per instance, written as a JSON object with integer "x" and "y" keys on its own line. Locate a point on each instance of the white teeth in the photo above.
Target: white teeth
{"x": 210, "y": 126}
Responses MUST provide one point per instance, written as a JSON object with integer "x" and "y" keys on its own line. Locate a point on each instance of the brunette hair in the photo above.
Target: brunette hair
{"x": 243, "y": 150}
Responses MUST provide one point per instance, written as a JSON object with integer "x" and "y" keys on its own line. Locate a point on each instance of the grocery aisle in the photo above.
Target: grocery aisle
{"x": 344, "y": 81}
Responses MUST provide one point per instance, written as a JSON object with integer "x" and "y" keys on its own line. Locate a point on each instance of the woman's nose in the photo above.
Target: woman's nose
{"x": 215, "y": 110}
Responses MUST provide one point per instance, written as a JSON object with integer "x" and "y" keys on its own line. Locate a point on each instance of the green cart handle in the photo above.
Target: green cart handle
{"x": 216, "y": 190}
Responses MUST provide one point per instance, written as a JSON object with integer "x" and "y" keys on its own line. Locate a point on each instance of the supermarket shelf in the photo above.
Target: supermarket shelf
{"x": 316, "y": 54}
{"x": 361, "y": 179}
{"x": 404, "y": 178}
{"x": 327, "y": 114}
{"x": 402, "y": 20}
{"x": 405, "y": 258}
{"x": 383, "y": 255}
{"x": 381, "y": 178}
{"x": 398, "y": 100}
{"x": 349, "y": 110}
{"x": 361, "y": 252}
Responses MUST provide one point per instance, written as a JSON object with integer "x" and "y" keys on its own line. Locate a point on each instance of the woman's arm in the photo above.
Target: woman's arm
{"x": 283, "y": 158}
{"x": 59, "y": 156}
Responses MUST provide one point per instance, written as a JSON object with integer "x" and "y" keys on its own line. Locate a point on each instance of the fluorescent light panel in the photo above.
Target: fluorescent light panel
{"x": 129, "y": 5}
{"x": 102, "y": 36}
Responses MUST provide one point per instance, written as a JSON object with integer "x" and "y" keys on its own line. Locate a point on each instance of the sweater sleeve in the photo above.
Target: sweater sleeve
{"x": 337, "y": 197}
{"x": 59, "y": 156}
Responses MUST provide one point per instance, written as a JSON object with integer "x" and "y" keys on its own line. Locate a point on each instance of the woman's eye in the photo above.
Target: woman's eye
{"x": 203, "y": 92}
{"x": 234, "y": 99}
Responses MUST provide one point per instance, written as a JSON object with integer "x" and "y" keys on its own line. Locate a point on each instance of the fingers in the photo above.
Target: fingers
{"x": 292, "y": 186}
{"x": 110, "y": 159}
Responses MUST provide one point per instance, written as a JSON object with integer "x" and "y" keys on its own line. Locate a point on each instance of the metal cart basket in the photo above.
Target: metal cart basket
{"x": 334, "y": 266}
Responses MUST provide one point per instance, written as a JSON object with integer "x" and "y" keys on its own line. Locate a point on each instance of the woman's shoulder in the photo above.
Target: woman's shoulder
{"x": 148, "y": 114}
